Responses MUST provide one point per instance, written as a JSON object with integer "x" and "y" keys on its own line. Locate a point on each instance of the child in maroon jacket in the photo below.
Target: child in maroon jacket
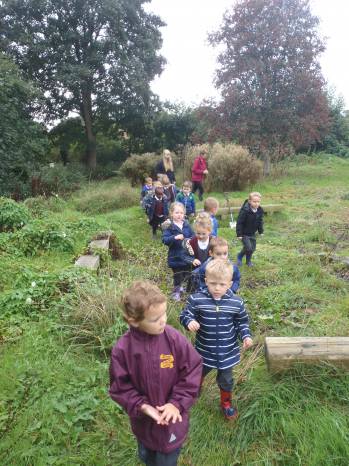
{"x": 154, "y": 375}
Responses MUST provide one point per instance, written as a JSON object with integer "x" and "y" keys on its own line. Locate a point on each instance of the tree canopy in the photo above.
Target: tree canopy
{"x": 23, "y": 143}
{"x": 92, "y": 57}
{"x": 269, "y": 76}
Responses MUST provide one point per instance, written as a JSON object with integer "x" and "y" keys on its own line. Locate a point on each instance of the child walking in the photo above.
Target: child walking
{"x": 173, "y": 236}
{"x": 211, "y": 207}
{"x": 156, "y": 207}
{"x": 250, "y": 220}
{"x": 218, "y": 317}
{"x": 154, "y": 375}
{"x": 218, "y": 249}
{"x": 198, "y": 245}
{"x": 170, "y": 190}
{"x": 186, "y": 197}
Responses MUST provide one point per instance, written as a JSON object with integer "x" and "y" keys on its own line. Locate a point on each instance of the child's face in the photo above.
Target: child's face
{"x": 255, "y": 202}
{"x": 178, "y": 214}
{"x": 202, "y": 233}
{"x": 154, "y": 320}
{"x": 149, "y": 184}
{"x": 218, "y": 286}
{"x": 186, "y": 190}
{"x": 159, "y": 191}
{"x": 220, "y": 252}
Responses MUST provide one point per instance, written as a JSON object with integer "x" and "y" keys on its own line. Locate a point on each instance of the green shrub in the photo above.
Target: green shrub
{"x": 231, "y": 167}
{"x": 40, "y": 205}
{"x": 12, "y": 214}
{"x": 61, "y": 179}
{"x": 100, "y": 199}
{"x": 137, "y": 167}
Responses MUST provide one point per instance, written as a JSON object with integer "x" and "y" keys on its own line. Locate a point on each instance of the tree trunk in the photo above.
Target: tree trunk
{"x": 86, "y": 110}
{"x": 267, "y": 165}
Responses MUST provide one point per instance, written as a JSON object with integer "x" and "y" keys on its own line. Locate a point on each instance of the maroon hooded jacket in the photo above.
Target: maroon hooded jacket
{"x": 155, "y": 369}
{"x": 198, "y": 168}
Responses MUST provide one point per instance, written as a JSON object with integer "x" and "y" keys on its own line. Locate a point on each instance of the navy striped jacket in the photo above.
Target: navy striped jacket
{"x": 220, "y": 322}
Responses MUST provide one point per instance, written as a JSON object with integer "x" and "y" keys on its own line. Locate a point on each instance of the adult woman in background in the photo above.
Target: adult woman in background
{"x": 165, "y": 166}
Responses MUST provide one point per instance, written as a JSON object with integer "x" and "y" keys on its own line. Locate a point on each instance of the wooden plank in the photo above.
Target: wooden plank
{"x": 99, "y": 244}
{"x": 282, "y": 352}
{"x": 88, "y": 261}
{"x": 269, "y": 209}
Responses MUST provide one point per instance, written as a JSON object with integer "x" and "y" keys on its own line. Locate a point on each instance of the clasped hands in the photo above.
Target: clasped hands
{"x": 162, "y": 414}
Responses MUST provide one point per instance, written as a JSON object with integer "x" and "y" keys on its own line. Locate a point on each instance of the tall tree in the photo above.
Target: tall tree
{"x": 23, "y": 142}
{"x": 269, "y": 76}
{"x": 93, "y": 57}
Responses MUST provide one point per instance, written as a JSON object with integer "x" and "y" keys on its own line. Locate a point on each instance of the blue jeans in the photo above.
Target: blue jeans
{"x": 155, "y": 458}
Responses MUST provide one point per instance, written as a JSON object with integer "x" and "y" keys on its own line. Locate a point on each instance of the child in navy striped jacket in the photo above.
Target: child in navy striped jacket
{"x": 219, "y": 317}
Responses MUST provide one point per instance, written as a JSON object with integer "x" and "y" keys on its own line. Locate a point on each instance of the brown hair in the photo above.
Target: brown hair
{"x": 254, "y": 194}
{"x": 217, "y": 268}
{"x": 187, "y": 184}
{"x": 203, "y": 220}
{"x": 165, "y": 180}
{"x": 210, "y": 203}
{"x": 139, "y": 297}
{"x": 167, "y": 160}
{"x": 217, "y": 242}
{"x": 174, "y": 205}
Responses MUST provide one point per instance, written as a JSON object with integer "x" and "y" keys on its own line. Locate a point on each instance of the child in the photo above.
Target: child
{"x": 211, "y": 207}
{"x": 218, "y": 316}
{"x": 154, "y": 375}
{"x": 250, "y": 220}
{"x": 187, "y": 199}
{"x": 169, "y": 189}
{"x": 157, "y": 207}
{"x": 147, "y": 187}
{"x": 198, "y": 172}
{"x": 178, "y": 230}
{"x": 217, "y": 249}
{"x": 198, "y": 245}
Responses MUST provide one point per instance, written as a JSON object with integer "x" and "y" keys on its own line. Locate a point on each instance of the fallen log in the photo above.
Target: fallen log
{"x": 282, "y": 352}
{"x": 268, "y": 209}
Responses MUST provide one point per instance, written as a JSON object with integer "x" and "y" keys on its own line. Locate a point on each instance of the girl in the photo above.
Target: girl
{"x": 198, "y": 245}
{"x": 178, "y": 230}
{"x": 169, "y": 188}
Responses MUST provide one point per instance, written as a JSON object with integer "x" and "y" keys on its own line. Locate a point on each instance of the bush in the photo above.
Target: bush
{"x": 61, "y": 179}
{"x": 231, "y": 167}
{"x": 40, "y": 205}
{"x": 137, "y": 167}
{"x": 99, "y": 199}
{"x": 12, "y": 214}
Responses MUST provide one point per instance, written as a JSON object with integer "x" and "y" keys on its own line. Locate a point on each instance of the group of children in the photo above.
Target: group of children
{"x": 155, "y": 373}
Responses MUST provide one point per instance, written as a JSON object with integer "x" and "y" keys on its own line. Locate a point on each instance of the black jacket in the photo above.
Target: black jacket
{"x": 249, "y": 222}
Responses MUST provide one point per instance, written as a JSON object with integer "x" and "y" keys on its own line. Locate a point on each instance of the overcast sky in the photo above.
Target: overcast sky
{"x": 191, "y": 61}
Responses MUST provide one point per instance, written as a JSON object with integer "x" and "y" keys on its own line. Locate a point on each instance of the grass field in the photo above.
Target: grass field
{"x": 57, "y": 325}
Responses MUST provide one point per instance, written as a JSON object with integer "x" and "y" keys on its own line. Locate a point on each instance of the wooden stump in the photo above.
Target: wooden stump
{"x": 282, "y": 352}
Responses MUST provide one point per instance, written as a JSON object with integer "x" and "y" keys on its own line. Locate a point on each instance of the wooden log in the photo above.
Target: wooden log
{"x": 282, "y": 352}
{"x": 88, "y": 261}
{"x": 269, "y": 209}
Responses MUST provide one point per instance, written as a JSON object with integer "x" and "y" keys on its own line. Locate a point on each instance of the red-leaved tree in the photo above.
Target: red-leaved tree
{"x": 273, "y": 96}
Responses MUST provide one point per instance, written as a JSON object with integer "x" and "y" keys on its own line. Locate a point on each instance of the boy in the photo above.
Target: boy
{"x": 186, "y": 197}
{"x": 217, "y": 249}
{"x": 217, "y": 315}
{"x": 147, "y": 190}
{"x": 250, "y": 220}
{"x": 211, "y": 207}
{"x": 154, "y": 375}
{"x": 156, "y": 207}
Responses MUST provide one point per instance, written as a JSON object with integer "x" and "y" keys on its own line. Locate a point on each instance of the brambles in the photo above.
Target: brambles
{"x": 137, "y": 167}
{"x": 12, "y": 214}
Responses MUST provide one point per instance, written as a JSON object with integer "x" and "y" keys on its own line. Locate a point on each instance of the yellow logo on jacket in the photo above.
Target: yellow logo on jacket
{"x": 166, "y": 361}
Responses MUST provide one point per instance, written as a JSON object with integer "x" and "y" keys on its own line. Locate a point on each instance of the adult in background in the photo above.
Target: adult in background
{"x": 198, "y": 172}
{"x": 165, "y": 166}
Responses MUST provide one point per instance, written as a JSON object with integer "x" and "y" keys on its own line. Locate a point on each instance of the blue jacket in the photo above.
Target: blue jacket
{"x": 188, "y": 202}
{"x": 220, "y": 322}
{"x": 177, "y": 255}
{"x": 215, "y": 225}
{"x": 199, "y": 276}
{"x": 150, "y": 206}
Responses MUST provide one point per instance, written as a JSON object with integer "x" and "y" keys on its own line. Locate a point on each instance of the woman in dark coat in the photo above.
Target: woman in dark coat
{"x": 165, "y": 166}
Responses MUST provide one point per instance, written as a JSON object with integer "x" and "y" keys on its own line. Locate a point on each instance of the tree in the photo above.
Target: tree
{"x": 23, "y": 142}
{"x": 269, "y": 76}
{"x": 92, "y": 57}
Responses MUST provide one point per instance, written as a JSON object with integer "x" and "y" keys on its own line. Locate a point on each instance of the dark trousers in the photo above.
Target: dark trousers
{"x": 181, "y": 274}
{"x": 248, "y": 247}
{"x": 224, "y": 377}
{"x": 197, "y": 186}
{"x": 155, "y": 222}
{"x": 155, "y": 458}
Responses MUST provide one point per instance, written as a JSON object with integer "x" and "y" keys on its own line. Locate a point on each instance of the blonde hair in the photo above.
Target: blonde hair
{"x": 138, "y": 298}
{"x": 174, "y": 205}
{"x": 148, "y": 180}
{"x": 187, "y": 184}
{"x": 167, "y": 160}
{"x": 218, "y": 268}
{"x": 217, "y": 242}
{"x": 203, "y": 220}
{"x": 254, "y": 194}
{"x": 165, "y": 180}
{"x": 210, "y": 203}
{"x": 157, "y": 184}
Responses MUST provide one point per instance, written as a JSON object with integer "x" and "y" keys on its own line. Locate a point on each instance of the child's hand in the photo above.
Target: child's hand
{"x": 205, "y": 172}
{"x": 169, "y": 412}
{"x": 239, "y": 237}
{"x": 150, "y": 411}
{"x": 196, "y": 262}
{"x": 193, "y": 326}
{"x": 180, "y": 236}
{"x": 247, "y": 343}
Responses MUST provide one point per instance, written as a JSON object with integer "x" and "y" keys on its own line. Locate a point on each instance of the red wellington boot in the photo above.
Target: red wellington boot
{"x": 228, "y": 410}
